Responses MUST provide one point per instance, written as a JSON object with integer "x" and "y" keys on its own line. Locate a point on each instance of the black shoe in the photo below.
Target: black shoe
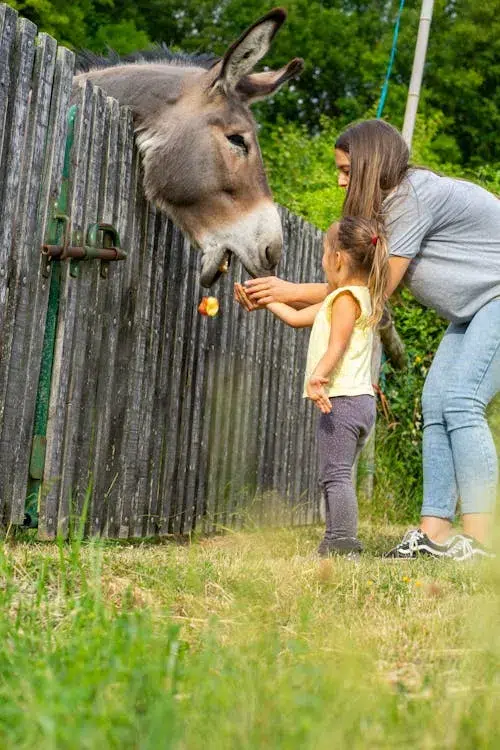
{"x": 347, "y": 545}
{"x": 416, "y": 543}
{"x": 463, "y": 547}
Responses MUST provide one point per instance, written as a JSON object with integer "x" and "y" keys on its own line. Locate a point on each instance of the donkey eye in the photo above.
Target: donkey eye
{"x": 238, "y": 142}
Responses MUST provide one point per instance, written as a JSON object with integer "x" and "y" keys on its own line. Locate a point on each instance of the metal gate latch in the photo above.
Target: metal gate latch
{"x": 103, "y": 243}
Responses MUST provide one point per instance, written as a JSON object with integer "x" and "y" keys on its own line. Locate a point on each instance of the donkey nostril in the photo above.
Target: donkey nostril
{"x": 269, "y": 256}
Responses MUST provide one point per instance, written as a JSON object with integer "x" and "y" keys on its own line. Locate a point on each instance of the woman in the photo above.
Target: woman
{"x": 444, "y": 243}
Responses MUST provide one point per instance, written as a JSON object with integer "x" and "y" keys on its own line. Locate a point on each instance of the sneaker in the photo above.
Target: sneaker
{"x": 348, "y": 546}
{"x": 415, "y": 543}
{"x": 463, "y": 547}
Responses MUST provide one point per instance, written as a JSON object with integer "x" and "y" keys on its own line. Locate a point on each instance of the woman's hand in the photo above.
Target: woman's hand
{"x": 244, "y": 300}
{"x": 269, "y": 289}
{"x": 315, "y": 390}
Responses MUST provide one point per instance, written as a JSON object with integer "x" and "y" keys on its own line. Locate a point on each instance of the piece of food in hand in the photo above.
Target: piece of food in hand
{"x": 209, "y": 306}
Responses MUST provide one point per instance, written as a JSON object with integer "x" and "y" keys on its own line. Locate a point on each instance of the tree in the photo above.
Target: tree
{"x": 346, "y": 45}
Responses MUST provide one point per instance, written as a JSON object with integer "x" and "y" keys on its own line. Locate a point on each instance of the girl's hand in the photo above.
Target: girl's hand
{"x": 315, "y": 390}
{"x": 269, "y": 289}
{"x": 244, "y": 300}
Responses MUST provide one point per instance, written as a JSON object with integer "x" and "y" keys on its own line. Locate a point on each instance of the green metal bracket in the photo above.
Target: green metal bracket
{"x": 57, "y": 233}
{"x": 102, "y": 242}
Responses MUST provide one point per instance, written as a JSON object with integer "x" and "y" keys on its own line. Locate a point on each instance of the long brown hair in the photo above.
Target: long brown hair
{"x": 365, "y": 242}
{"x": 379, "y": 161}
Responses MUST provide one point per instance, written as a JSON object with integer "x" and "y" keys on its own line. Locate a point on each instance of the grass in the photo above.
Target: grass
{"x": 245, "y": 641}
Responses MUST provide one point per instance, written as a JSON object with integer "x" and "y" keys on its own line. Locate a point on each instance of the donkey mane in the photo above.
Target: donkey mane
{"x": 87, "y": 60}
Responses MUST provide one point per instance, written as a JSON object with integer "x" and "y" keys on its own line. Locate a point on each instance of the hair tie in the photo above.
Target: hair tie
{"x": 374, "y": 239}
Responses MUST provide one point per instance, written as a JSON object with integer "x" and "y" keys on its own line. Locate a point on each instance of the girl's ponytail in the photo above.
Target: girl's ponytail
{"x": 379, "y": 274}
{"x": 366, "y": 243}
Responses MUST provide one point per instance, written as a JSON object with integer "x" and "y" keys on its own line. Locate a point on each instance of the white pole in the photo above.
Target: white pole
{"x": 417, "y": 71}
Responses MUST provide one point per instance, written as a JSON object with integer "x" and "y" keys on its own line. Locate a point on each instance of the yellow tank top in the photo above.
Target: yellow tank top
{"x": 352, "y": 376}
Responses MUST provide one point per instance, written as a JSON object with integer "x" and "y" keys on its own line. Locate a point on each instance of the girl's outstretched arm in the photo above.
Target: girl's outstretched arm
{"x": 268, "y": 289}
{"x": 296, "y": 318}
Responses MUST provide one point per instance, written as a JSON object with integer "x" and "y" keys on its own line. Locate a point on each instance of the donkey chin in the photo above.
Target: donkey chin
{"x": 256, "y": 239}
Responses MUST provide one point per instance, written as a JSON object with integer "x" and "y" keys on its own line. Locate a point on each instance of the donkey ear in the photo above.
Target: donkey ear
{"x": 261, "y": 85}
{"x": 242, "y": 56}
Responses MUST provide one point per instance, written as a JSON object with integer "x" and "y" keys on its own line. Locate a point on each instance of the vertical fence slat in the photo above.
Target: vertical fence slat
{"x": 157, "y": 330}
{"x": 114, "y": 410}
{"x": 111, "y": 291}
{"x": 61, "y": 395}
{"x": 189, "y": 431}
{"x": 132, "y": 361}
{"x": 179, "y": 304}
{"x": 8, "y": 22}
{"x": 19, "y": 56}
{"x": 221, "y": 442}
{"x": 21, "y": 391}
{"x": 148, "y": 363}
{"x": 240, "y": 458}
{"x": 165, "y": 394}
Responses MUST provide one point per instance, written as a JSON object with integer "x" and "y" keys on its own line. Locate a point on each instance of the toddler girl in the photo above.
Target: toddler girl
{"x": 338, "y": 371}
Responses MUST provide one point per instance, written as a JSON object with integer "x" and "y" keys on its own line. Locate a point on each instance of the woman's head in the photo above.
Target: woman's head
{"x": 372, "y": 159}
{"x": 356, "y": 250}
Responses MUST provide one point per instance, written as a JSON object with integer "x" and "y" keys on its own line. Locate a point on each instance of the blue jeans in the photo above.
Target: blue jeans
{"x": 460, "y": 459}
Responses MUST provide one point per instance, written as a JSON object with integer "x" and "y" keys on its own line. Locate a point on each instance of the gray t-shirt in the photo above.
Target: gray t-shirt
{"x": 451, "y": 230}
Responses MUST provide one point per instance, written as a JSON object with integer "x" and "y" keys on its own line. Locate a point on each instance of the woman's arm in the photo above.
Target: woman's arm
{"x": 257, "y": 293}
{"x": 296, "y": 318}
{"x": 345, "y": 312}
{"x": 264, "y": 291}
{"x": 268, "y": 289}
{"x": 398, "y": 266}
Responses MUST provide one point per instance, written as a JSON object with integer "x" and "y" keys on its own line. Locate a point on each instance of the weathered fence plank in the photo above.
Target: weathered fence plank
{"x": 20, "y": 53}
{"x": 106, "y": 479}
{"x": 57, "y": 491}
{"x": 34, "y": 115}
{"x": 105, "y": 391}
{"x": 21, "y": 391}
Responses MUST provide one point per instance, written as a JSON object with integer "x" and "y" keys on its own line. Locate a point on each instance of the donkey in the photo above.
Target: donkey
{"x": 197, "y": 137}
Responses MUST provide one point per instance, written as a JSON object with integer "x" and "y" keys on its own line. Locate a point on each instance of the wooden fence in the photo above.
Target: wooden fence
{"x": 116, "y": 397}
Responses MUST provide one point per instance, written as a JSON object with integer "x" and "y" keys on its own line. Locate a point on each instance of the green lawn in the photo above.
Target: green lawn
{"x": 245, "y": 641}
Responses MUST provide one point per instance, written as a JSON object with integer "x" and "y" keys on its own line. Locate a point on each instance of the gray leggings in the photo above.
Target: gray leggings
{"x": 341, "y": 434}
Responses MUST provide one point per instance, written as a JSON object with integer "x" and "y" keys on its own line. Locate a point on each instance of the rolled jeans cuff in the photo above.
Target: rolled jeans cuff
{"x": 430, "y": 510}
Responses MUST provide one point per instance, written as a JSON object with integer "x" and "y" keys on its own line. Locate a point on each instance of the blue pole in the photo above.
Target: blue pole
{"x": 385, "y": 86}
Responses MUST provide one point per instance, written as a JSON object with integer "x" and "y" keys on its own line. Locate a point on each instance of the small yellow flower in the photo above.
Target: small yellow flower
{"x": 418, "y": 360}
{"x": 418, "y": 583}
{"x": 405, "y": 579}
{"x": 369, "y": 583}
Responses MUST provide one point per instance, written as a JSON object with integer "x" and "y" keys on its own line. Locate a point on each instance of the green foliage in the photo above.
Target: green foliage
{"x": 301, "y": 170}
{"x": 345, "y": 44}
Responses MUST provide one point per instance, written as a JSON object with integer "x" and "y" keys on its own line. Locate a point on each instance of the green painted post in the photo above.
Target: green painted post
{"x": 57, "y": 232}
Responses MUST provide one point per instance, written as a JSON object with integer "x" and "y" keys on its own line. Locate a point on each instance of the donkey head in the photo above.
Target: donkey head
{"x": 201, "y": 157}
